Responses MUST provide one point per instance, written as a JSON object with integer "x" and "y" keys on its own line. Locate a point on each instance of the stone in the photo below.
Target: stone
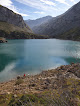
{"x": 18, "y": 77}
{"x": 8, "y": 92}
{"x": 15, "y": 96}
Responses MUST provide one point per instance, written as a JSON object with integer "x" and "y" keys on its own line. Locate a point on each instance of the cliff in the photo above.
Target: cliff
{"x": 10, "y": 17}
{"x": 13, "y": 26}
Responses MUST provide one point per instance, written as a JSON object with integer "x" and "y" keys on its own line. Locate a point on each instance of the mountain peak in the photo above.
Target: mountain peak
{"x": 39, "y": 21}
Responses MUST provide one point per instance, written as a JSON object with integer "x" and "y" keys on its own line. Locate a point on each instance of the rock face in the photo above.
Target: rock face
{"x": 13, "y": 26}
{"x": 9, "y": 16}
{"x": 60, "y": 25}
{"x": 37, "y": 22}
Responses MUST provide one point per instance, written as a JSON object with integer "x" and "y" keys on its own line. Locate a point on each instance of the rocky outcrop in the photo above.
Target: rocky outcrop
{"x": 9, "y": 16}
{"x": 2, "y": 40}
{"x": 12, "y": 23}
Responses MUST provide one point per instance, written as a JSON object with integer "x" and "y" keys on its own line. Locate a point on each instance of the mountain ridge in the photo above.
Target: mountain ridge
{"x": 61, "y": 24}
{"x": 7, "y": 15}
{"x": 37, "y": 22}
{"x": 12, "y": 25}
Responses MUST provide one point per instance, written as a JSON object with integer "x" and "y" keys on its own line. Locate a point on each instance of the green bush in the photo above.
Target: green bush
{"x": 19, "y": 81}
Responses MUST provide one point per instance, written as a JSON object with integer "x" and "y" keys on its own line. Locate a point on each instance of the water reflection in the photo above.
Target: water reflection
{"x": 33, "y": 56}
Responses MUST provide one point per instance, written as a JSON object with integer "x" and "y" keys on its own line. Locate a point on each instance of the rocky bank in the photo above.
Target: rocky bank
{"x": 63, "y": 82}
{"x": 40, "y": 82}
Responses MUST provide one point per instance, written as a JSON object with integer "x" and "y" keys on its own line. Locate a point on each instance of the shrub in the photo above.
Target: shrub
{"x": 19, "y": 81}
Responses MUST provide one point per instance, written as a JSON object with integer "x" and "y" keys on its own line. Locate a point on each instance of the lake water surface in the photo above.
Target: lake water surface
{"x": 32, "y": 56}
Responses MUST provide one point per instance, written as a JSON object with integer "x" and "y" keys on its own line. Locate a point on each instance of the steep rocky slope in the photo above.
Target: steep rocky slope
{"x": 10, "y": 17}
{"x": 60, "y": 25}
{"x": 13, "y": 26}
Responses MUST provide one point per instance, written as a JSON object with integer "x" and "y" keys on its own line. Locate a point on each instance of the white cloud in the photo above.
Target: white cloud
{"x": 37, "y": 12}
{"x": 73, "y": 1}
{"x": 24, "y": 14}
{"x": 38, "y": 4}
{"x": 43, "y": 7}
{"x": 48, "y": 2}
{"x": 6, "y": 2}
{"x": 47, "y": 6}
{"x": 9, "y": 4}
{"x": 62, "y": 1}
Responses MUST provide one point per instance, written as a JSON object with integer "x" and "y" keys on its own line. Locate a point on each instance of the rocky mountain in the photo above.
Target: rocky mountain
{"x": 10, "y": 17}
{"x": 37, "y": 22}
{"x": 13, "y": 26}
{"x": 65, "y": 26}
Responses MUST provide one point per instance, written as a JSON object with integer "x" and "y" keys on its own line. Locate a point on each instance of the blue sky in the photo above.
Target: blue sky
{"x": 33, "y": 9}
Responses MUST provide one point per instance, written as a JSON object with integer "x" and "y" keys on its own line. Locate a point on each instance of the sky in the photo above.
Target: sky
{"x": 33, "y": 9}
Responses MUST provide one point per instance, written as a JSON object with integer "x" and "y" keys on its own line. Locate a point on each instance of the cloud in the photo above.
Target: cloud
{"x": 37, "y": 12}
{"x": 24, "y": 14}
{"x": 44, "y": 5}
{"x": 73, "y": 1}
{"x": 62, "y": 1}
{"x": 9, "y": 4}
{"x": 48, "y": 2}
{"x": 49, "y": 7}
{"x": 6, "y": 2}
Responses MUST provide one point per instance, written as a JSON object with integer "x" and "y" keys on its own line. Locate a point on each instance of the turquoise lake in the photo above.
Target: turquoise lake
{"x": 32, "y": 56}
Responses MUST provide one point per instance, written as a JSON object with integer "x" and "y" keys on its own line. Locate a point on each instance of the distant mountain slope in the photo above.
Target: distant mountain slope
{"x": 37, "y": 22}
{"x": 12, "y": 25}
{"x": 62, "y": 26}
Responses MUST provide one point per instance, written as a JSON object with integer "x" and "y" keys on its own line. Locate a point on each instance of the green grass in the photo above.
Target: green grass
{"x": 10, "y": 31}
{"x": 73, "y": 34}
{"x": 10, "y": 28}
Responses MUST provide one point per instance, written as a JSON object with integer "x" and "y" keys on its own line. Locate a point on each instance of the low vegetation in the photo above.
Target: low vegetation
{"x": 68, "y": 95}
{"x": 73, "y": 34}
{"x": 19, "y": 81}
{"x": 56, "y": 87}
{"x": 10, "y": 31}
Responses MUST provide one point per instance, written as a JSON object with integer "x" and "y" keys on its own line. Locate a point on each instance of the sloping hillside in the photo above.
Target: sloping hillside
{"x": 13, "y": 26}
{"x": 62, "y": 24}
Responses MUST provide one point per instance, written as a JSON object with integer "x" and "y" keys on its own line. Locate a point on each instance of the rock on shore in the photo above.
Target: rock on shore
{"x": 40, "y": 82}
{"x": 61, "y": 86}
